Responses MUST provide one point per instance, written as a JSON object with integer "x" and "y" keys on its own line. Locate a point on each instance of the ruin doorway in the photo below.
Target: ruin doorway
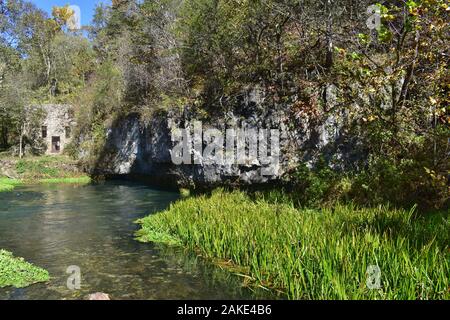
{"x": 56, "y": 144}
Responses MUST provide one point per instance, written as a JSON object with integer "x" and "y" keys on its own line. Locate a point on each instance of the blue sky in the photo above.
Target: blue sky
{"x": 86, "y": 6}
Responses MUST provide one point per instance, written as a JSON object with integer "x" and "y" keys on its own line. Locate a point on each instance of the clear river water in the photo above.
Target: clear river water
{"x": 93, "y": 227}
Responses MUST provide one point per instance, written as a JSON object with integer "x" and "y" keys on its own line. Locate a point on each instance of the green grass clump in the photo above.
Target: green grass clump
{"x": 7, "y": 184}
{"x": 313, "y": 254}
{"x": 18, "y": 273}
{"x": 50, "y": 170}
{"x": 46, "y": 167}
{"x": 77, "y": 180}
{"x": 6, "y": 187}
{"x": 10, "y": 184}
{"x": 185, "y": 193}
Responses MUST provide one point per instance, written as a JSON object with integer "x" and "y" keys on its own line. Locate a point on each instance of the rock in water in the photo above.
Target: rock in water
{"x": 99, "y": 296}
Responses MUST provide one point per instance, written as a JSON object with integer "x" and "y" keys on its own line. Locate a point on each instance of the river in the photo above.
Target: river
{"x": 92, "y": 227}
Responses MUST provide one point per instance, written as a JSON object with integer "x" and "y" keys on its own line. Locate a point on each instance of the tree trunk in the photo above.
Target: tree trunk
{"x": 20, "y": 145}
{"x": 4, "y": 136}
{"x": 329, "y": 35}
{"x": 22, "y": 132}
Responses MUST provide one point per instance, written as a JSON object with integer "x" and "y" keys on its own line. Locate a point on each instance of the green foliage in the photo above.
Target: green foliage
{"x": 35, "y": 167}
{"x": 18, "y": 273}
{"x": 398, "y": 73}
{"x": 313, "y": 187}
{"x": 313, "y": 254}
{"x": 77, "y": 180}
{"x": 410, "y": 182}
{"x": 4, "y": 187}
{"x": 40, "y": 62}
{"x": 45, "y": 170}
{"x": 12, "y": 182}
{"x": 229, "y": 44}
{"x": 54, "y": 168}
{"x": 185, "y": 193}
{"x": 99, "y": 105}
{"x": 405, "y": 184}
{"x": 7, "y": 184}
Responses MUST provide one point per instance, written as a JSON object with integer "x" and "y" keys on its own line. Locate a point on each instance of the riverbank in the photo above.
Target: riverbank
{"x": 18, "y": 273}
{"x": 312, "y": 254}
{"x": 39, "y": 170}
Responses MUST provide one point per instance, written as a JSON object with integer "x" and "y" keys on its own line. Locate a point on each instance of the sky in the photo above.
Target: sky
{"x": 86, "y": 7}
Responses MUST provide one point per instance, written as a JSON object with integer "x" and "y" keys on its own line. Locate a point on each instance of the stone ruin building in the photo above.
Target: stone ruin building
{"x": 56, "y": 127}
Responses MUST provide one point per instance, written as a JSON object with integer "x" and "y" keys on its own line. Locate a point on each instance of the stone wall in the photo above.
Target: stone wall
{"x": 57, "y": 118}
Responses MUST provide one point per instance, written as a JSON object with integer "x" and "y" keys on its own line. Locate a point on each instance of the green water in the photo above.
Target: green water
{"x": 92, "y": 227}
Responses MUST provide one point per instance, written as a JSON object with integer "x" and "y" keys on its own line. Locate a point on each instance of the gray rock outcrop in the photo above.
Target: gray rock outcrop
{"x": 143, "y": 148}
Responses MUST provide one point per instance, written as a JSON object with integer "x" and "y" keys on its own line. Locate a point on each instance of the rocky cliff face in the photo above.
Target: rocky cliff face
{"x": 144, "y": 148}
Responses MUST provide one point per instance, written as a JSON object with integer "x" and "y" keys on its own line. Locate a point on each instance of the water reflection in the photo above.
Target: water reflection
{"x": 92, "y": 227}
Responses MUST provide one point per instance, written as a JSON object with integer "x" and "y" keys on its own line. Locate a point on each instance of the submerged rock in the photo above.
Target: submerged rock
{"x": 99, "y": 296}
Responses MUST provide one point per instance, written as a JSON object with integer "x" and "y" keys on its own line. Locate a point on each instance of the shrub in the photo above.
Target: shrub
{"x": 405, "y": 184}
{"x": 314, "y": 187}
